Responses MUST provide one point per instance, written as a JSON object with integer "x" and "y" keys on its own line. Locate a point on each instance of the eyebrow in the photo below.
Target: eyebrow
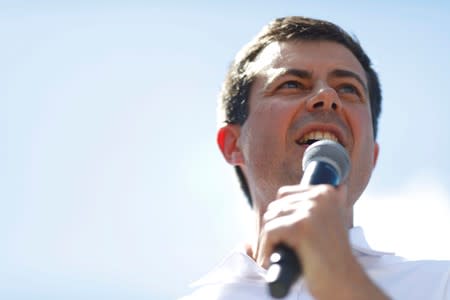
{"x": 297, "y": 72}
{"x": 346, "y": 73}
{"x": 283, "y": 72}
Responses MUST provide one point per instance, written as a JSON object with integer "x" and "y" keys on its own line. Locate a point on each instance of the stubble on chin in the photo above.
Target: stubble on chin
{"x": 272, "y": 179}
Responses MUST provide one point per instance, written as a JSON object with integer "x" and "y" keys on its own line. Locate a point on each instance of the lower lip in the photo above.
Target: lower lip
{"x": 302, "y": 148}
{"x": 303, "y": 145}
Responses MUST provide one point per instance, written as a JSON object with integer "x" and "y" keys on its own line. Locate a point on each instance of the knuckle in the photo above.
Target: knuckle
{"x": 287, "y": 190}
{"x": 269, "y": 228}
{"x": 322, "y": 191}
{"x": 283, "y": 191}
{"x": 269, "y": 215}
{"x": 325, "y": 188}
{"x": 272, "y": 205}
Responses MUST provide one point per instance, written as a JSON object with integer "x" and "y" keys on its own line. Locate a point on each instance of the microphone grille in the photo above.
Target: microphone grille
{"x": 330, "y": 152}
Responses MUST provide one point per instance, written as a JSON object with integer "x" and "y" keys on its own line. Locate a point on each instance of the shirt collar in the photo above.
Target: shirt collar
{"x": 360, "y": 246}
{"x": 238, "y": 266}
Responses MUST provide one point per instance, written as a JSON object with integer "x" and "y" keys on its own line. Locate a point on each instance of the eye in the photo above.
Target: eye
{"x": 348, "y": 89}
{"x": 291, "y": 84}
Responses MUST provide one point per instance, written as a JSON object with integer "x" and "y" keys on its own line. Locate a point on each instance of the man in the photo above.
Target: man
{"x": 302, "y": 80}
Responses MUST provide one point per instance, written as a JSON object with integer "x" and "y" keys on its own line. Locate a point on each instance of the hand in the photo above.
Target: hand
{"x": 314, "y": 223}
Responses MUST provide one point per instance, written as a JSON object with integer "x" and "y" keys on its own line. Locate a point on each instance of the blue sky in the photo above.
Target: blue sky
{"x": 111, "y": 183}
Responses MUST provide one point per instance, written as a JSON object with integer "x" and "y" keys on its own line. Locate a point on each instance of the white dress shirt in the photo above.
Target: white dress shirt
{"x": 238, "y": 277}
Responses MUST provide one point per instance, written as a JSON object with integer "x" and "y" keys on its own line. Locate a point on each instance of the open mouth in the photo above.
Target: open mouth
{"x": 315, "y": 136}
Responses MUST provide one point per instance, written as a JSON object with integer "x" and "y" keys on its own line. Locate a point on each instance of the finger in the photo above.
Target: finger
{"x": 292, "y": 194}
{"x": 288, "y": 207}
{"x": 282, "y": 229}
{"x": 290, "y": 189}
{"x": 288, "y": 195}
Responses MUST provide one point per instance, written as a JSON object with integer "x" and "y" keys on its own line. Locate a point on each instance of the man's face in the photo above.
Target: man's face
{"x": 304, "y": 91}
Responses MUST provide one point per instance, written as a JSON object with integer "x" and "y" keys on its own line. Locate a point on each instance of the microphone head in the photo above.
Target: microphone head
{"x": 330, "y": 152}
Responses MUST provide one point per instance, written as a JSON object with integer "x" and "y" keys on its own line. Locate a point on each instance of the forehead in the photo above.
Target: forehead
{"x": 314, "y": 56}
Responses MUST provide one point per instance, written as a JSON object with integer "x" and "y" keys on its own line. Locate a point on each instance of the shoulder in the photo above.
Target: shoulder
{"x": 395, "y": 266}
{"x": 414, "y": 279}
{"x": 237, "y": 277}
{"x": 229, "y": 291}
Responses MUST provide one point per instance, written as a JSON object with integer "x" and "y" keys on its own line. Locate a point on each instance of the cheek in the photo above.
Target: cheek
{"x": 364, "y": 144}
{"x": 265, "y": 130}
{"x": 362, "y": 158}
{"x": 362, "y": 128}
{"x": 258, "y": 137}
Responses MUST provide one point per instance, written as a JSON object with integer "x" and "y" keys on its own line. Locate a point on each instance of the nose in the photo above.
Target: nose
{"x": 325, "y": 98}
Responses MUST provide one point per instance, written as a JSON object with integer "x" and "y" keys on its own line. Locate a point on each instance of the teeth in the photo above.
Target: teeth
{"x": 318, "y": 135}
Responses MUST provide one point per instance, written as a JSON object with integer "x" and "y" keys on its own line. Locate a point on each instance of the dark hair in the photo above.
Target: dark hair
{"x": 238, "y": 82}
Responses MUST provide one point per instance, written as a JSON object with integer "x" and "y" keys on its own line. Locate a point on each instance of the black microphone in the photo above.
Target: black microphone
{"x": 324, "y": 162}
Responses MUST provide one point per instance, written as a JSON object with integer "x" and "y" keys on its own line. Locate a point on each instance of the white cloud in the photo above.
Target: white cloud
{"x": 414, "y": 221}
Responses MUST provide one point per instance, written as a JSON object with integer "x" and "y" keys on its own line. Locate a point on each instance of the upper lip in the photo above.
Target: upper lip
{"x": 325, "y": 128}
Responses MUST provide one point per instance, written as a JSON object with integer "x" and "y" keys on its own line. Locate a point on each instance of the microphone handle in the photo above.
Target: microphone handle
{"x": 285, "y": 267}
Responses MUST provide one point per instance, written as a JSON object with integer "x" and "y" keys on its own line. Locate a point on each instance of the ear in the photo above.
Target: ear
{"x": 228, "y": 141}
{"x": 376, "y": 150}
